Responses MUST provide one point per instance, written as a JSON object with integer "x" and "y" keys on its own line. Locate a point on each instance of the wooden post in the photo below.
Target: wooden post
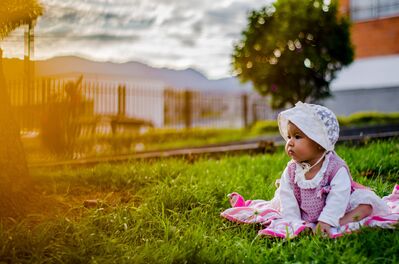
{"x": 121, "y": 100}
{"x": 28, "y": 63}
{"x": 245, "y": 110}
{"x": 254, "y": 113}
{"x": 187, "y": 109}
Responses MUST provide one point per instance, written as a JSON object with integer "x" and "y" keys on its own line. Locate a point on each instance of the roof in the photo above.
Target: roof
{"x": 368, "y": 73}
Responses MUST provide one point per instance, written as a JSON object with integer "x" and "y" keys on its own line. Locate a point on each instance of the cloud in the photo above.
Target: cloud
{"x": 169, "y": 33}
{"x": 106, "y": 37}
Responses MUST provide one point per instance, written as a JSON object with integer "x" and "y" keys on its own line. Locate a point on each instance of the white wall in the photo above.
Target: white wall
{"x": 360, "y": 100}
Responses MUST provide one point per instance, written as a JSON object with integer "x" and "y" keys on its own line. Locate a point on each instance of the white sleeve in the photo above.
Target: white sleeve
{"x": 289, "y": 205}
{"x": 338, "y": 198}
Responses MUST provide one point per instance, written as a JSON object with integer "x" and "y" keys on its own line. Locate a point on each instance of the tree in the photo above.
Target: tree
{"x": 291, "y": 50}
{"x": 15, "y": 187}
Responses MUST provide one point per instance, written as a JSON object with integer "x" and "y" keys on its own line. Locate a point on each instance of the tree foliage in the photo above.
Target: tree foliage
{"x": 291, "y": 50}
{"x": 15, "y": 13}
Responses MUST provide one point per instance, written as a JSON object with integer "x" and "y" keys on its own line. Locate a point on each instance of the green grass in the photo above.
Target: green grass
{"x": 129, "y": 143}
{"x": 167, "y": 211}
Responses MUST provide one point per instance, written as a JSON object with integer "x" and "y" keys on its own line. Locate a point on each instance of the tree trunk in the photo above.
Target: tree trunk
{"x": 15, "y": 181}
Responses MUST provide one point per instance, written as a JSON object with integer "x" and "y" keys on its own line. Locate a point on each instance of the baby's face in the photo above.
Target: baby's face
{"x": 301, "y": 148}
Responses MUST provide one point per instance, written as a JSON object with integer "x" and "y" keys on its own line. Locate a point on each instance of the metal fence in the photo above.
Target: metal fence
{"x": 139, "y": 103}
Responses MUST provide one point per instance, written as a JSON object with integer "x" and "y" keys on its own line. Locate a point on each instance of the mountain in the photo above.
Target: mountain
{"x": 178, "y": 79}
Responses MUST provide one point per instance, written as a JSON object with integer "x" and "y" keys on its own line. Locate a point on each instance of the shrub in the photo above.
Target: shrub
{"x": 368, "y": 118}
{"x": 59, "y": 128}
{"x": 265, "y": 126}
{"x": 356, "y": 119}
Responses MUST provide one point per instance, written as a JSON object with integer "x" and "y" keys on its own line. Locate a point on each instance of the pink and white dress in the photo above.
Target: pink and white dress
{"x": 299, "y": 203}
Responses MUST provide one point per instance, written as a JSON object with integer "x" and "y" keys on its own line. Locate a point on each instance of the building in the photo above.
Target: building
{"x": 371, "y": 82}
{"x": 375, "y": 30}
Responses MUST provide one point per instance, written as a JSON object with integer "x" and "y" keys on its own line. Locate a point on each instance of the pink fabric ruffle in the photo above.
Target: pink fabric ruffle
{"x": 262, "y": 212}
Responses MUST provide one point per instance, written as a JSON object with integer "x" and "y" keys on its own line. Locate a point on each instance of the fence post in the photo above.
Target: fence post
{"x": 187, "y": 110}
{"x": 254, "y": 113}
{"x": 121, "y": 100}
{"x": 244, "y": 98}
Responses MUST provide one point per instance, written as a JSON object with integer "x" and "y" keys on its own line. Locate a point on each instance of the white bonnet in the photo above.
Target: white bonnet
{"x": 317, "y": 122}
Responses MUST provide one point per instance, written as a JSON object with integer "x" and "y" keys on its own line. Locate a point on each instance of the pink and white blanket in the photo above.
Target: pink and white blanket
{"x": 265, "y": 213}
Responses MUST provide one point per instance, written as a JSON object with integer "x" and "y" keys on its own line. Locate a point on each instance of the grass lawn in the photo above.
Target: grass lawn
{"x": 129, "y": 143}
{"x": 167, "y": 211}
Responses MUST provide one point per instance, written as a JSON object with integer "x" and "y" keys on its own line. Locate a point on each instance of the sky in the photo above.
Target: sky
{"x": 176, "y": 34}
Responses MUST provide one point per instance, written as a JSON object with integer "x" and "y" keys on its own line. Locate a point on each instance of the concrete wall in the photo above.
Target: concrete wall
{"x": 360, "y": 100}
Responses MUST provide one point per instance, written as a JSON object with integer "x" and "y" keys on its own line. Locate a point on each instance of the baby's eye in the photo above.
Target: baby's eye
{"x": 289, "y": 137}
{"x": 297, "y": 136}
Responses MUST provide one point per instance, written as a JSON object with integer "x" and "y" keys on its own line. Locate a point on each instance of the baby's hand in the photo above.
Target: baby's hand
{"x": 323, "y": 227}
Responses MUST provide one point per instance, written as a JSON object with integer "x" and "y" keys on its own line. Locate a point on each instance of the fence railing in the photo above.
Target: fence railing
{"x": 126, "y": 102}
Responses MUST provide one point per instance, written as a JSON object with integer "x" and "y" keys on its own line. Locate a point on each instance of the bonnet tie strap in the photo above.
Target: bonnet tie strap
{"x": 306, "y": 166}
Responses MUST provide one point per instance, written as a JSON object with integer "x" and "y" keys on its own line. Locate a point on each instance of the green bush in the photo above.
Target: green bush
{"x": 368, "y": 118}
{"x": 356, "y": 119}
{"x": 59, "y": 127}
{"x": 264, "y": 127}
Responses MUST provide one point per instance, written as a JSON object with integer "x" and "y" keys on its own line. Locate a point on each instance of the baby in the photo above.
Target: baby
{"x": 316, "y": 189}
{"x": 316, "y": 185}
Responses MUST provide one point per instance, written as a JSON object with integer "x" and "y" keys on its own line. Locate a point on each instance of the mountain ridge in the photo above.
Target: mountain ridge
{"x": 180, "y": 79}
